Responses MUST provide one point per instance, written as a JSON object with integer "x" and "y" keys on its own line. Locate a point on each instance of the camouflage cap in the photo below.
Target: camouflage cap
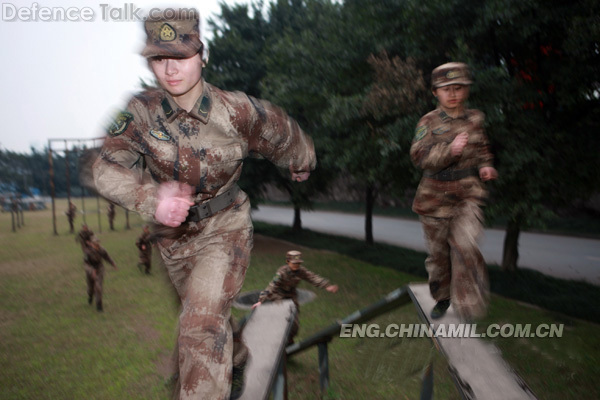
{"x": 173, "y": 33}
{"x": 294, "y": 256}
{"x": 453, "y": 73}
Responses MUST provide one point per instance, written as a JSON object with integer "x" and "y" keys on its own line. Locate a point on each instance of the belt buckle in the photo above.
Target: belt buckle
{"x": 193, "y": 214}
{"x": 204, "y": 210}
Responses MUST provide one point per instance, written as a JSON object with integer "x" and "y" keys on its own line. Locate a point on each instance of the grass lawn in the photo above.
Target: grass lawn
{"x": 53, "y": 345}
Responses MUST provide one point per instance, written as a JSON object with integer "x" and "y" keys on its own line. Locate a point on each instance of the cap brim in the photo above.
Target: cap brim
{"x": 464, "y": 83}
{"x": 172, "y": 50}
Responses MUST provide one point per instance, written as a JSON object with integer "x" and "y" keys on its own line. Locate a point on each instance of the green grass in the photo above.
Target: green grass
{"x": 53, "y": 345}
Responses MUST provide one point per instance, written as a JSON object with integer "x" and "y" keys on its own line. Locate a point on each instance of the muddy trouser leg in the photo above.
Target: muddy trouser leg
{"x": 207, "y": 281}
{"x": 89, "y": 278}
{"x": 98, "y": 284}
{"x": 470, "y": 283}
{"x": 438, "y": 264}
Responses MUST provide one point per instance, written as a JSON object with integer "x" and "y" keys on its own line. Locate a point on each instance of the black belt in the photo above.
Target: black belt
{"x": 451, "y": 174}
{"x": 211, "y": 207}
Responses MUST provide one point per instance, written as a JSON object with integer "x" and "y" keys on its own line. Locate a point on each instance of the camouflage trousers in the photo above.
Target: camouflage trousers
{"x": 95, "y": 279}
{"x": 146, "y": 261}
{"x": 455, "y": 265}
{"x": 208, "y": 272}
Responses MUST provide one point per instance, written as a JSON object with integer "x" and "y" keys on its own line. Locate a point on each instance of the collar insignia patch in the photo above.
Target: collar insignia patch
{"x": 168, "y": 110}
{"x": 204, "y": 107}
{"x": 120, "y": 123}
{"x": 160, "y": 135}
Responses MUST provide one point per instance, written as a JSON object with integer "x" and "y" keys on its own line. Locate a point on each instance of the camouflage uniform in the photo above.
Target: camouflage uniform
{"x": 283, "y": 286}
{"x": 156, "y": 141}
{"x": 94, "y": 271}
{"x": 144, "y": 245}
{"x": 448, "y": 201}
{"x": 84, "y": 235}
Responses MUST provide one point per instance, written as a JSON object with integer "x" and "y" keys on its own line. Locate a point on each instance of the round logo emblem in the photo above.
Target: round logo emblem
{"x": 167, "y": 33}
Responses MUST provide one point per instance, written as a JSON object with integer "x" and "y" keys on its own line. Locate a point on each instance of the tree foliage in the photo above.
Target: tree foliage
{"x": 355, "y": 74}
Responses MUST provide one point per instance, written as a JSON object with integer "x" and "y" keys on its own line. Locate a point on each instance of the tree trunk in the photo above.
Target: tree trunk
{"x": 510, "y": 253}
{"x": 370, "y": 200}
{"x": 297, "y": 226}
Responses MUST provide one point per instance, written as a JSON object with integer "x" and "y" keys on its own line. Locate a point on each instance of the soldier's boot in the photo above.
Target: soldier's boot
{"x": 90, "y": 299}
{"x": 99, "y": 307}
{"x": 237, "y": 381}
{"x": 241, "y": 355}
{"x": 440, "y": 309}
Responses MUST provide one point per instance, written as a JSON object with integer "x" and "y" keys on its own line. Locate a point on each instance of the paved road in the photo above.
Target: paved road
{"x": 559, "y": 256}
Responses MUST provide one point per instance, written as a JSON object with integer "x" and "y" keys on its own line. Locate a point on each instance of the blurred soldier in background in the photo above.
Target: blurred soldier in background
{"x": 71, "y": 213}
{"x": 84, "y": 235}
{"x": 145, "y": 247}
{"x": 283, "y": 286}
{"x": 93, "y": 254}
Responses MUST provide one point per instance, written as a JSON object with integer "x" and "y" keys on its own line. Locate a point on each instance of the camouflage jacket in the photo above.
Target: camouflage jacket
{"x": 154, "y": 141}
{"x": 283, "y": 285}
{"x": 144, "y": 240}
{"x": 93, "y": 257}
{"x": 430, "y": 151}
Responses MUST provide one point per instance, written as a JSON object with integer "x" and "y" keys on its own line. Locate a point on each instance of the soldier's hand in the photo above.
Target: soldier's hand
{"x": 488, "y": 173}
{"x": 299, "y": 175}
{"x": 332, "y": 288}
{"x": 458, "y": 144}
{"x": 174, "y": 201}
{"x": 256, "y": 305}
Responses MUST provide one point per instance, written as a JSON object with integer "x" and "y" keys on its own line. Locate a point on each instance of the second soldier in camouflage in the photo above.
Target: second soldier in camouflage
{"x": 451, "y": 148}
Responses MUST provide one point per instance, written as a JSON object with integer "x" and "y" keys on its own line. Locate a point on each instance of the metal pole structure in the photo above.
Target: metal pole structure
{"x": 67, "y": 173}
{"x": 83, "y": 204}
{"x": 51, "y": 173}
{"x": 16, "y": 208}
{"x": 99, "y": 222}
{"x": 127, "y": 219}
{"x": 323, "y": 367}
{"x": 12, "y": 215}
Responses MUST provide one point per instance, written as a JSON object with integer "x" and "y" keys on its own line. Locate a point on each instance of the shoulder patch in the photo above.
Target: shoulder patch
{"x": 120, "y": 123}
{"x": 160, "y": 135}
{"x": 420, "y": 132}
{"x": 439, "y": 131}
